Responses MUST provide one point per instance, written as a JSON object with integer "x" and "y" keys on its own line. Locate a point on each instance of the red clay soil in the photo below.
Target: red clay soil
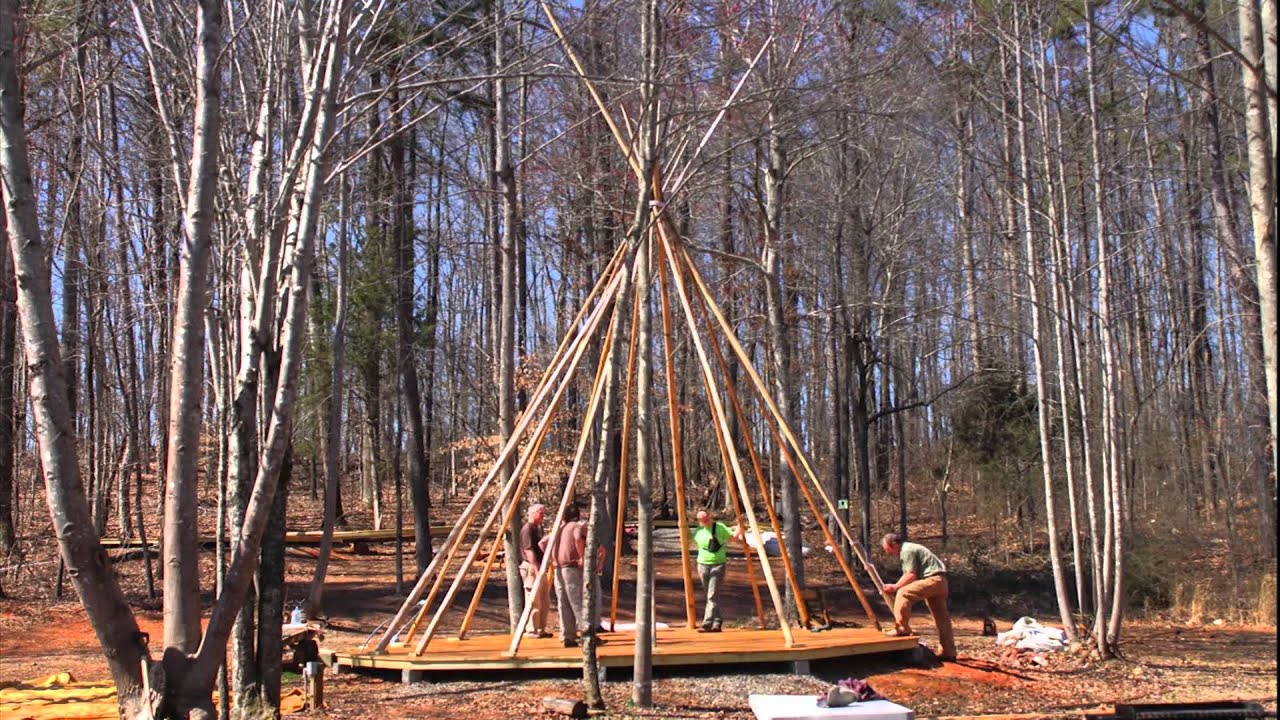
{"x": 1163, "y": 662}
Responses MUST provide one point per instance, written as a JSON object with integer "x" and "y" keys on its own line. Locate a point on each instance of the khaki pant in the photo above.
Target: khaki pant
{"x": 569, "y": 597}
{"x": 540, "y": 599}
{"x": 712, "y": 578}
{"x": 933, "y": 591}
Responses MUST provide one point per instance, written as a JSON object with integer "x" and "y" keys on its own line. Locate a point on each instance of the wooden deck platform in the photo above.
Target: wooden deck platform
{"x": 675, "y": 647}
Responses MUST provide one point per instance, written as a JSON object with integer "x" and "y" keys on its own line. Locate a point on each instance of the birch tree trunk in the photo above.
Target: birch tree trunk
{"x": 187, "y": 351}
{"x": 1031, "y": 267}
{"x": 306, "y": 210}
{"x": 606, "y": 469}
{"x": 1262, "y": 206}
{"x": 8, "y": 339}
{"x": 1060, "y": 238}
{"x": 1106, "y": 630}
{"x": 642, "y": 665}
{"x": 87, "y": 563}
{"x": 779, "y": 338}
{"x": 406, "y": 268}
{"x": 506, "y": 321}
{"x": 333, "y": 416}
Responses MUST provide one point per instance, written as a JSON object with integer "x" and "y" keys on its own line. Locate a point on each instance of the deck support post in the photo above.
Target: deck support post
{"x": 409, "y": 676}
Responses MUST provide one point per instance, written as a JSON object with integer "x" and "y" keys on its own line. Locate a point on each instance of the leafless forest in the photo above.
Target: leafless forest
{"x": 1006, "y": 266}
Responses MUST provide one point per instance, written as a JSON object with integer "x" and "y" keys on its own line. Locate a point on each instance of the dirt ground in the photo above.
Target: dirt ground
{"x": 1162, "y": 662}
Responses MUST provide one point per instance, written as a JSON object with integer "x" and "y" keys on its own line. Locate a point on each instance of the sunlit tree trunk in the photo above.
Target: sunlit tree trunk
{"x": 1031, "y": 269}
{"x": 87, "y": 564}
{"x": 1259, "y": 124}
{"x": 187, "y": 350}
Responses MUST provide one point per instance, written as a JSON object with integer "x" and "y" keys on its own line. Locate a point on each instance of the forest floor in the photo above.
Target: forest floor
{"x": 1163, "y": 661}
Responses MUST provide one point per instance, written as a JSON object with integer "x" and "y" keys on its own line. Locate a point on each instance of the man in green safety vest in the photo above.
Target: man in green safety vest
{"x": 710, "y": 538}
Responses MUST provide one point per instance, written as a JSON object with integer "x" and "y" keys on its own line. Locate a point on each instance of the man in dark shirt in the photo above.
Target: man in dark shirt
{"x": 530, "y": 560}
{"x": 924, "y": 577}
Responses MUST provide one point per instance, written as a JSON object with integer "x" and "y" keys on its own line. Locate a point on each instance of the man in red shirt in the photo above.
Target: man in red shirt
{"x": 568, "y": 550}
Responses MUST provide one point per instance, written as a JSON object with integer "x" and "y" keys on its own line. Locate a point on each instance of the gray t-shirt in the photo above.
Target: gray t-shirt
{"x": 919, "y": 560}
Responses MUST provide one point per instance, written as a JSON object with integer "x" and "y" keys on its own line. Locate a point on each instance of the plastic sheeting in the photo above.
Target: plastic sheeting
{"x": 1028, "y": 634}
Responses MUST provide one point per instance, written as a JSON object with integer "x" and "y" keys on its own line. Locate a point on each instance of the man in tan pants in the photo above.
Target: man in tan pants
{"x": 924, "y": 577}
{"x": 531, "y": 549}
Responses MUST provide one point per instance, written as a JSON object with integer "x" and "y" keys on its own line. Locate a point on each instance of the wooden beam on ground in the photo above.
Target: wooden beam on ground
{"x": 676, "y": 647}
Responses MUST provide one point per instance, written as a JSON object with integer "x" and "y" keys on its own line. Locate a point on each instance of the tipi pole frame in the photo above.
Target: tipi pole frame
{"x": 525, "y": 462}
{"x": 620, "y": 527}
{"x": 723, "y": 446}
{"x": 732, "y": 488}
{"x": 759, "y": 472}
{"x": 783, "y": 426}
{"x": 664, "y": 233}
{"x": 504, "y": 455}
{"x": 593, "y": 406}
{"x": 517, "y": 479}
{"x": 677, "y": 447}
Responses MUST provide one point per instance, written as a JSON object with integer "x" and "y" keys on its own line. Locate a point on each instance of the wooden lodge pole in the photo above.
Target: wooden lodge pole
{"x": 677, "y": 448}
{"x": 723, "y": 446}
{"x": 593, "y": 407}
{"x": 504, "y": 455}
{"x": 784, "y": 428}
{"x": 759, "y": 472}
{"x": 520, "y": 475}
{"x": 510, "y": 500}
{"x": 526, "y": 460}
{"x": 506, "y": 523}
{"x": 665, "y": 233}
{"x": 622, "y": 467}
